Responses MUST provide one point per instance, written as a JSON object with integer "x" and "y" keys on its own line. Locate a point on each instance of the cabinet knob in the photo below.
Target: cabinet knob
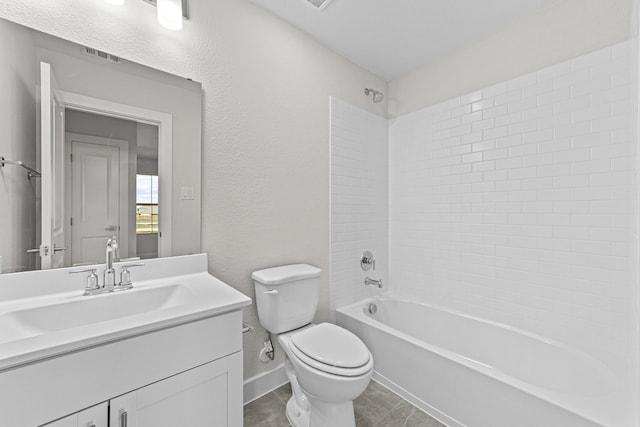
{"x": 123, "y": 419}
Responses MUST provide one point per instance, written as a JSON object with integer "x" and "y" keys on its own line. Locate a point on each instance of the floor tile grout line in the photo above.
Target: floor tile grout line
{"x": 279, "y": 398}
{"x": 378, "y": 422}
{"x": 404, "y": 400}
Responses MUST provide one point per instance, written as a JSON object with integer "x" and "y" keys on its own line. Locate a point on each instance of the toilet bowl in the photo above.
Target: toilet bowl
{"x": 331, "y": 367}
{"x": 327, "y": 366}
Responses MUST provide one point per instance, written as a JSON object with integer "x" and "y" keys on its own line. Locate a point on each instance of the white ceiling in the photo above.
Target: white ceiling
{"x": 393, "y": 37}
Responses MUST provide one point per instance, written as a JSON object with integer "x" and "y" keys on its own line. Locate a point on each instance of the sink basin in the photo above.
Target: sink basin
{"x": 86, "y": 310}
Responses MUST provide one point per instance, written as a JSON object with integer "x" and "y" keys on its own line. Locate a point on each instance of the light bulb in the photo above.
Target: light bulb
{"x": 115, "y": 2}
{"x": 170, "y": 14}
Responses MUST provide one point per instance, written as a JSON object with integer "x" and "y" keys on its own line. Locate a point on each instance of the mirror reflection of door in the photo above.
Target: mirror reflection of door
{"x": 99, "y": 175}
{"x": 106, "y": 155}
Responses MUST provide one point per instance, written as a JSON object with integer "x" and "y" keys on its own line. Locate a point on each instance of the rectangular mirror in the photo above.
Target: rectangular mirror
{"x": 93, "y": 146}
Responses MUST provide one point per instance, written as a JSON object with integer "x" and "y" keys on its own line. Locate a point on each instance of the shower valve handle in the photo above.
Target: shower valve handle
{"x": 367, "y": 261}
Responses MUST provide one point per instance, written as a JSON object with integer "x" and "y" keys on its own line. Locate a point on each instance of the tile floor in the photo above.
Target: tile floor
{"x": 377, "y": 407}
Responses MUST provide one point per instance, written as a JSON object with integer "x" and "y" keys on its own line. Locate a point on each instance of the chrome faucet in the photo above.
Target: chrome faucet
{"x": 370, "y": 281}
{"x": 109, "y": 278}
{"x": 112, "y": 255}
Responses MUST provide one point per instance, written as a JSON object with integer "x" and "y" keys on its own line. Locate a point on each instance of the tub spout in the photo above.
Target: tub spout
{"x": 370, "y": 281}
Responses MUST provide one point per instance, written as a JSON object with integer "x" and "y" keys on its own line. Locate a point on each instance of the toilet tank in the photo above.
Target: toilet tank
{"x": 286, "y": 296}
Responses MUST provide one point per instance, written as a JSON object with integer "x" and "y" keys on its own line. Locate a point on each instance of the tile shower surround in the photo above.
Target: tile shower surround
{"x": 514, "y": 202}
{"x": 359, "y": 201}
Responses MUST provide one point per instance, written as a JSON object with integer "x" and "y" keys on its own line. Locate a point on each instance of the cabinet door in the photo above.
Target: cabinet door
{"x": 96, "y": 416}
{"x": 209, "y": 395}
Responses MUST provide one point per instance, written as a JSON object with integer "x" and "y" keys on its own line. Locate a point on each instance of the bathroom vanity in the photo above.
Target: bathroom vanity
{"x": 167, "y": 352}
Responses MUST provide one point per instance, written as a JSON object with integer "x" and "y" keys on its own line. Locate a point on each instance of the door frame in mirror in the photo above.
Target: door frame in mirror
{"x": 164, "y": 121}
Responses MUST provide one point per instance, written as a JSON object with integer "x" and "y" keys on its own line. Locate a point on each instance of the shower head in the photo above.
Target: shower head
{"x": 376, "y": 95}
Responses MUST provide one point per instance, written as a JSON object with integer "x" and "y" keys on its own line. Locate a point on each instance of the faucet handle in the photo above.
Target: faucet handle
{"x": 86, "y": 270}
{"x": 367, "y": 261}
{"x": 92, "y": 280}
{"x": 132, "y": 264}
{"x": 125, "y": 274}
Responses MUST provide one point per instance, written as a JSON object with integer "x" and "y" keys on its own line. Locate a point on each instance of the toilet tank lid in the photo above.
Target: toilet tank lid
{"x": 285, "y": 274}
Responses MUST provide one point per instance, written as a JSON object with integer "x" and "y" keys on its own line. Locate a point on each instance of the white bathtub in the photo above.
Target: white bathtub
{"x": 466, "y": 371}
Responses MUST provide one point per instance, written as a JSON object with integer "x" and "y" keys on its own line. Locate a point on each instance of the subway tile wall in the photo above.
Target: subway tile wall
{"x": 359, "y": 201}
{"x": 514, "y": 202}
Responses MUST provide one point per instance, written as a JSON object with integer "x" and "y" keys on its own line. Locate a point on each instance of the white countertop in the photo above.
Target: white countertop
{"x": 200, "y": 295}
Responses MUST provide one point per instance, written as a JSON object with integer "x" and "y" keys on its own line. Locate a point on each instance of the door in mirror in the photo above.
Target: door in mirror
{"x": 53, "y": 227}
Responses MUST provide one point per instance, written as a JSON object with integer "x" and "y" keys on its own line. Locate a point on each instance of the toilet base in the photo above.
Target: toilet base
{"x": 325, "y": 414}
{"x": 321, "y": 414}
{"x": 297, "y": 416}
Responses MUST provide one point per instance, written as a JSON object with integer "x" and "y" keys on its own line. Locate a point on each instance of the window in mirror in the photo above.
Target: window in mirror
{"x": 146, "y": 204}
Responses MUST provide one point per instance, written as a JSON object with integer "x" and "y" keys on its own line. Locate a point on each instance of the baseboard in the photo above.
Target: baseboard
{"x": 415, "y": 401}
{"x": 266, "y": 382}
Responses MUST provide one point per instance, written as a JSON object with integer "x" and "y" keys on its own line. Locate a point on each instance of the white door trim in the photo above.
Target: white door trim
{"x": 164, "y": 121}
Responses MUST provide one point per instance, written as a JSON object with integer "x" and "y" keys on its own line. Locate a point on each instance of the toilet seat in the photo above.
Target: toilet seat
{"x": 332, "y": 349}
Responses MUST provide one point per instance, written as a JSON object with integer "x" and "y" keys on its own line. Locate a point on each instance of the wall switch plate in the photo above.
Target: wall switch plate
{"x": 187, "y": 193}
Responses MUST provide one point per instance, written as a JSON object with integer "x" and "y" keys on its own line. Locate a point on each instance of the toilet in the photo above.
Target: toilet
{"x": 328, "y": 366}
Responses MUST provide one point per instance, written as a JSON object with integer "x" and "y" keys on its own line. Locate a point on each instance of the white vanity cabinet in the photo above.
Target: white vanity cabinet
{"x": 186, "y": 375}
{"x": 198, "y": 397}
{"x": 167, "y": 352}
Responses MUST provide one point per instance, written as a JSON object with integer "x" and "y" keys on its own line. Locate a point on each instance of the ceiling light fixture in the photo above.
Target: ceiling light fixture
{"x": 170, "y": 13}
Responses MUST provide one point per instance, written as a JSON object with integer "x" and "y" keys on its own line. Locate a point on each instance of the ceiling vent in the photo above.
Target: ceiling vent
{"x": 319, "y": 4}
{"x": 100, "y": 54}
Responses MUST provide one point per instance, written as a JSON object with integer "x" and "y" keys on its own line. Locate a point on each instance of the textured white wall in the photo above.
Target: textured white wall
{"x": 516, "y": 203}
{"x": 265, "y": 149}
{"x": 566, "y": 29}
{"x": 359, "y": 201}
{"x": 18, "y": 81}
